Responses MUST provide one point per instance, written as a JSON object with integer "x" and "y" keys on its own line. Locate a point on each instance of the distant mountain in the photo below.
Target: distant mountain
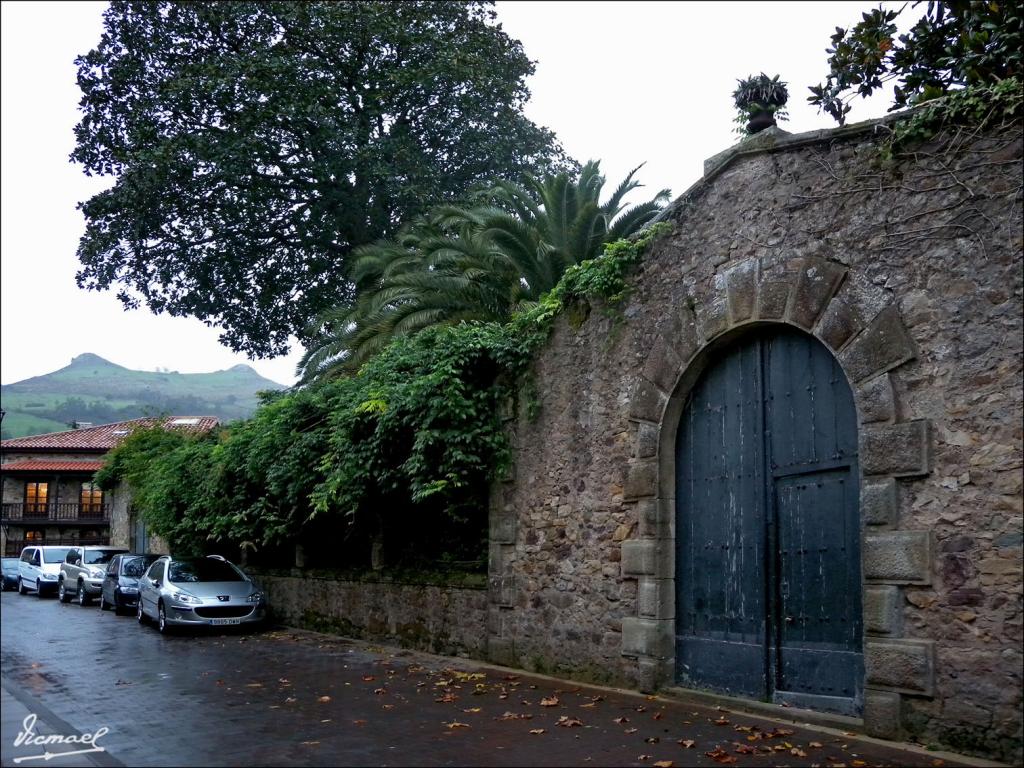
{"x": 97, "y": 391}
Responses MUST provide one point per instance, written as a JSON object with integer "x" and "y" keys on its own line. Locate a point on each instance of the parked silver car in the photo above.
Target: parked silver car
{"x": 198, "y": 591}
{"x": 81, "y": 573}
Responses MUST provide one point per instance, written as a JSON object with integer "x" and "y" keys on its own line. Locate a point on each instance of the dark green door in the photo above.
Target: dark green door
{"x": 767, "y": 527}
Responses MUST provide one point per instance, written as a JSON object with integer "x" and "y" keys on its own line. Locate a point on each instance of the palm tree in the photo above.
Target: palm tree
{"x": 484, "y": 261}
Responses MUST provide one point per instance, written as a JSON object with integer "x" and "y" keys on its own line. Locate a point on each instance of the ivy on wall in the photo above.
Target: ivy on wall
{"x": 405, "y": 449}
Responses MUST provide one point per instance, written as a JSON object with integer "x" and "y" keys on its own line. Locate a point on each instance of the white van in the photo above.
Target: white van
{"x": 39, "y": 569}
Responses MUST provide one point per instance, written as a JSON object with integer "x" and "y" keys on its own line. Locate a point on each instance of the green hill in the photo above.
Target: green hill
{"x": 97, "y": 391}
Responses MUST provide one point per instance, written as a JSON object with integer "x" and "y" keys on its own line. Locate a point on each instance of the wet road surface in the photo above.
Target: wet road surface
{"x": 287, "y": 697}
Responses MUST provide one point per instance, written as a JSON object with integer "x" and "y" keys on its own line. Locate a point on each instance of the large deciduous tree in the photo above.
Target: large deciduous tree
{"x": 253, "y": 145}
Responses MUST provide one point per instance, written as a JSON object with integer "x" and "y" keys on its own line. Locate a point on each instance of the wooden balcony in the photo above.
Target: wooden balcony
{"x": 62, "y": 513}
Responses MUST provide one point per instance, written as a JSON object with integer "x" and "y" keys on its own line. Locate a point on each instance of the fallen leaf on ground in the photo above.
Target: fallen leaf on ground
{"x": 857, "y": 762}
{"x": 514, "y": 716}
{"x": 324, "y": 699}
{"x": 472, "y": 709}
{"x": 621, "y": 720}
{"x": 798, "y": 752}
{"x": 368, "y": 678}
{"x": 290, "y": 700}
{"x": 815, "y": 744}
{"x": 552, "y": 702}
{"x": 664, "y": 764}
{"x": 380, "y": 691}
{"x": 630, "y": 730}
{"x": 688, "y": 743}
{"x": 658, "y": 716}
{"x": 568, "y": 722}
{"x": 591, "y": 705}
{"x": 744, "y": 749}
{"x": 643, "y": 757}
{"x": 447, "y": 698}
{"x": 456, "y": 724}
{"x": 310, "y": 743}
{"x": 387, "y": 706}
{"x": 721, "y": 721}
{"x": 536, "y": 731}
{"x": 719, "y": 755}
{"x": 652, "y": 740}
{"x": 639, "y": 709}
{"x": 358, "y": 722}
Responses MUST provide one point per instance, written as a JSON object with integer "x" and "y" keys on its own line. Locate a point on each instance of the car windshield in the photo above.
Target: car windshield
{"x": 55, "y": 555}
{"x": 99, "y": 556}
{"x": 134, "y": 567}
{"x": 183, "y": 571}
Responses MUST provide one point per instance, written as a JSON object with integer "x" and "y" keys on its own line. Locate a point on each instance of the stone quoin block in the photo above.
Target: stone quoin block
{"x": 901, "y": 665}
{"x": 651, "y": 523}
{"x": 882, "y": 714}
{"x": 772, "y": 299}
{"x": 879, "y": 503}
{"x": 898, "y": 557}
{"x": 641, "y": 479}
{"x": 647, "y": 401}
{"x": 647, "y": 637}
{"x": 882, "y": 346}
{"x": 655, "y": 598}
{"x": 501, "y": 651}
{"x": 839, "y": 323}
{"x": 663, "y": 365}
{"x": 876, "y": 400}
{"x": 502, "y": 590}
{"x": 900, "y": 450}
{"x": 817, "y": 281}
{"x": 741, "y": 290}
{"x": 883, "y": 610}
{"x": 502, "y": 527}
{"x": 646, "y": 440}
{"x": 638, "y": 557}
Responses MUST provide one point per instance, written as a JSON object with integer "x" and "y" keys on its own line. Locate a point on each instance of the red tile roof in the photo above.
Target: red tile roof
{"x": 105, "y": 436}
{"x": 51, "y": 466}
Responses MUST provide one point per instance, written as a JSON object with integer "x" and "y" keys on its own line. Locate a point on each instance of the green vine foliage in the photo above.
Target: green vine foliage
{"x": 976, "y": 106}
{"x": 405, "y": 449}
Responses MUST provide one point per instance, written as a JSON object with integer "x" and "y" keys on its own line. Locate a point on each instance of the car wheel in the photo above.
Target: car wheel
{"x": 161, "y": 620}
{"x": 104, "y": 605}
{"x": 22, "y": 590}
{"x": 62, "y": 593}
{"x": 39, "y": 589}
{"x": 83, "y": 597}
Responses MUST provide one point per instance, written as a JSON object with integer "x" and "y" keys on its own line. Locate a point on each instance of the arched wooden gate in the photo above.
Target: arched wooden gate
{"x": 768, "y": 585}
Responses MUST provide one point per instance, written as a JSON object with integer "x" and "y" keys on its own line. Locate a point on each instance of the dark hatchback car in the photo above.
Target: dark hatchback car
{"x": 120, "y": 589}
{"x": 10, "y": 571}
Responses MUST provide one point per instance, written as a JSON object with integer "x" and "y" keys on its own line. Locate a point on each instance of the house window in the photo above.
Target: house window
{"x": 91, "y": 500}
{"x": 35, "y": 497}
{"x": 35, "y": 537}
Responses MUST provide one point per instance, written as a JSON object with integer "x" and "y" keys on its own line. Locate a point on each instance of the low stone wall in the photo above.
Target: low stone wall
{"x": 441, "y": 618}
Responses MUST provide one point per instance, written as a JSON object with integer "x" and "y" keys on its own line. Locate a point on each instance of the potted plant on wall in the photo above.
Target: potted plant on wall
{"x": 760, "y": 101}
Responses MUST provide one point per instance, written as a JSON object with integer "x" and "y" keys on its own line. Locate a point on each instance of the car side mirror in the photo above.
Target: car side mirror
{"x": 156, "y": 584}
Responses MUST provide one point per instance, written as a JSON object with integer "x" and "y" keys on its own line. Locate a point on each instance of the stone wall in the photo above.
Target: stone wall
{"x": 910, "y": 271}
{"x": 440, "y": 618}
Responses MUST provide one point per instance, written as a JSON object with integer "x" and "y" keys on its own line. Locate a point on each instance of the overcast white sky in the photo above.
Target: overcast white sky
{"x": 621, "y": 82}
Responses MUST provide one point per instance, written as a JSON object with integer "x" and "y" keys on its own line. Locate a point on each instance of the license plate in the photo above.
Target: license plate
{"x": 225, "y": 621}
